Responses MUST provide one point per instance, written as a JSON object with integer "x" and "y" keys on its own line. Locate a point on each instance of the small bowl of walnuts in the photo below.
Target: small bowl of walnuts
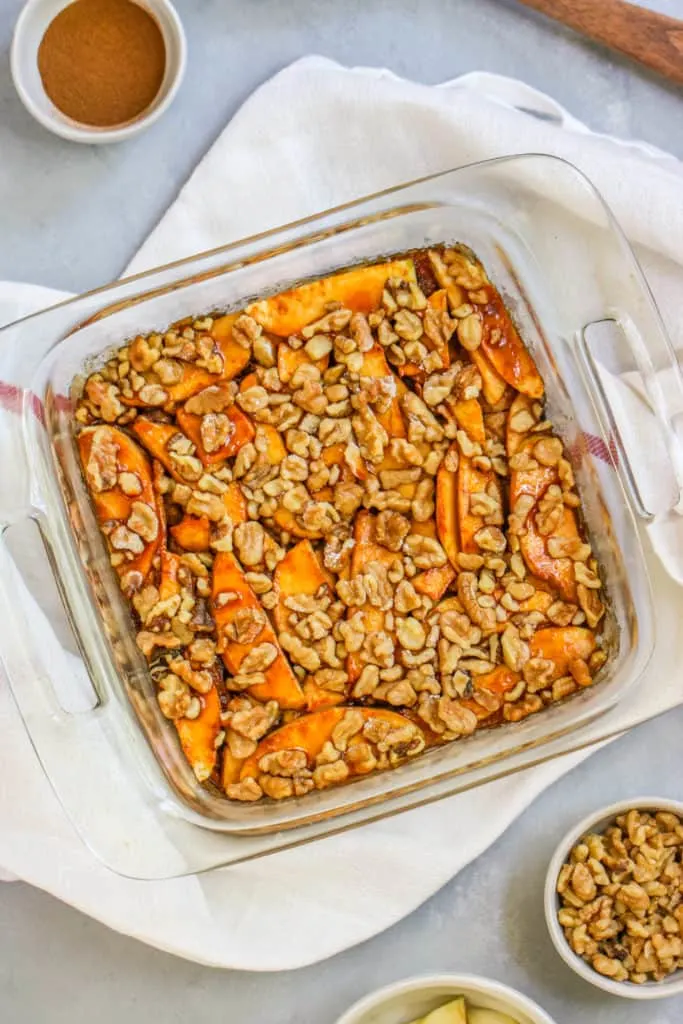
{"x": 614, "y": 898}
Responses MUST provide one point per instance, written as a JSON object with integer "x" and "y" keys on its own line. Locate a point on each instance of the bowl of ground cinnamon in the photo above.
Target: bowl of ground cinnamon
{"x": 98, "y": 71}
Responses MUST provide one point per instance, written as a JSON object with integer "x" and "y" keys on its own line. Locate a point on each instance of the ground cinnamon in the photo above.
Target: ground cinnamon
{"x": 102, "y": 61}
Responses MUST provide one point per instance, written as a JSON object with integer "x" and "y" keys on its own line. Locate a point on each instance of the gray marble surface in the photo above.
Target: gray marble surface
{"x": 71, "y": 217}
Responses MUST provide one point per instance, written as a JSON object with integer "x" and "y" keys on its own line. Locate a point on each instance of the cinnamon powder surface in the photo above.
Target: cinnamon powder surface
{"x": 102, "y": 62}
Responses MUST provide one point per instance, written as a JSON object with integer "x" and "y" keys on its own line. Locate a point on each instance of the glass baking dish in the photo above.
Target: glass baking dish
{"x": 552, "y": 248}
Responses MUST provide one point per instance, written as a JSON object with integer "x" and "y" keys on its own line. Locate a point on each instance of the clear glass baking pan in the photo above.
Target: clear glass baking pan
{"x": 552, "y": 248}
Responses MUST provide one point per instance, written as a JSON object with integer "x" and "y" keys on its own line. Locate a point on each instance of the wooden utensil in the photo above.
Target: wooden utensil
{"x": 654, "y": 40}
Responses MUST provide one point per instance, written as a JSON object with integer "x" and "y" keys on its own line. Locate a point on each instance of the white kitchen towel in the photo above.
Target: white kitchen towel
{"x": 318, "y": 135}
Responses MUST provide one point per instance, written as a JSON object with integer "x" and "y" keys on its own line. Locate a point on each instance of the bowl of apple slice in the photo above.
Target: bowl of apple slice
{"x": 446, "y": 999}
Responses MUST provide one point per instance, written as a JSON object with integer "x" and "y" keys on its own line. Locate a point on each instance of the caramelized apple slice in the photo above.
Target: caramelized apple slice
{"x": 112, "y": 460}
{"x": 299, "y": 572}
{"x": 562, "y": 645}
{"x": 195, "y": 378}
{"x": 470, "y": 418}
{"x": 446, "y": 511}
{"x": 503, "y": 347}
{"x": 366, "y": 550}
{"x": 497, "y": 682}
{"x": 438, "y": 301}
{"x": 242, "y": 431}
{"x": 557, "y": 571}
{"x": 192, "y": 533}
{"x": 533, "y": 482}
{"x": 230, "y": 767}
{"x": 155, "y": 438}
{"x": 280, "y": 682}
{"x": 471, "y": 482}
{"x": 375, "y": 365}
{"x": 286, "y": 521}
{"x": 168, "y": 577}
{"x": 434, "y": 582}
{"x": 519, "y": 421}
{"x": 492, "y": 384}
{"x": 359, "y": 289}
{"x": 198, "y": 735}
{"x": 290, "y": 359}
{"x": 235, "y": 503}
{"x": 311, "y": 732}
{"x": 317, "y": 698}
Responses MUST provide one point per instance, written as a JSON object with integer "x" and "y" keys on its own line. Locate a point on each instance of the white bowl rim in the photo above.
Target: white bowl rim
{"x": 600, "y": 818}
{"x": 91, "y": 135}
{"x": 476, "y": 982}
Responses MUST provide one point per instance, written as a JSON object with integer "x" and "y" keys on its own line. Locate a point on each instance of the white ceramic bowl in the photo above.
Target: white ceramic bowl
{"x": 407, "y": 1000}
{"x": 598, "y": 822}
{"x": 28, "y": 33}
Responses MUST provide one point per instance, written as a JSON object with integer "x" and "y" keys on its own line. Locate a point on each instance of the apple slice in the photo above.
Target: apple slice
{"x": 230, "y": 767}
{"x": 311, "y": 732}
{"x": 107, "y": 450}
{"x": 446, "y": 511}
{"x": 280, "y": 682}
{"x": 359, "y": 289}
{"x": 274, "y": 448}
{"x": 504, "y": 348}
{"x": 242, "y": 432}
{"x": 520, "y": 411}
{"x": 192, "y": 533}
{"x": 198, "y": 735}
{"x": 290, "y": 359}
{"x": 169, "y": 567}
{"x": 559, "y": 572}
{"x": 366, "y": 550}
{"x": 498, "y": 682}
{"x": 299, "y": 572}
{"x": 155, "y": 438}
{"x": 286, "y": 521}
{"x": 471, "y": 481}
{"x": 434, "y": 582}
{"x": 533, "y": 482}
{"x": 375, "y": 365}
{"x": 438, "y": 301}
{"x": 492, "y": 384}
{"x": 454, "y": 1012}
{"x": 562, "y": 645}
{"x": 235, "y": 503}
{"x": 470, "y": 418}
{"x": 195, "y": 378}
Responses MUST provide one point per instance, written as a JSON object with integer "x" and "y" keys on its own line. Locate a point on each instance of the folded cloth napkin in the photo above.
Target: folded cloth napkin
{"x": 315, "y": 136}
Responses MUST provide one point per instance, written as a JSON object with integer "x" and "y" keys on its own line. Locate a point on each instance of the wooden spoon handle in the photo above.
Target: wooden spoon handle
{"x": 654, "y": 40}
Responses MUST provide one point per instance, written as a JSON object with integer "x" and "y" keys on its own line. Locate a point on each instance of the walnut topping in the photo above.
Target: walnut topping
{"x": 102, "y": 467}
{"x": 361, "y": 519}
{"x": 174, "y": 697}
{"x": 247, "y": 791}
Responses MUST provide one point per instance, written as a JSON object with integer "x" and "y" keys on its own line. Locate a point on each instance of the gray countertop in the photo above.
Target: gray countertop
{"x": 71, "y": 217}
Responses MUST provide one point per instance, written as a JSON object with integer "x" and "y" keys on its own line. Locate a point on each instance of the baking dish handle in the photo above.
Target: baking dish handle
{"x": 38, "y": 646}
{"x": 17, "y": 406}
{"x": 637, "y": 389}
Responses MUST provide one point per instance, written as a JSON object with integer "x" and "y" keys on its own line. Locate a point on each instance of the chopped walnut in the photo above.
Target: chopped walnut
{"x": 174, "y": 697}
{"x": 259, "y": 658}
{"x": 102, "y": 466}
{"x": 619, "y": 895}
{"x": 255, "y": 723}
{"x": 248, "y": 790}
{"x": 246, "y": 626}
{"x": 144, "y": 521}
{"x": 248, "y": 540}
